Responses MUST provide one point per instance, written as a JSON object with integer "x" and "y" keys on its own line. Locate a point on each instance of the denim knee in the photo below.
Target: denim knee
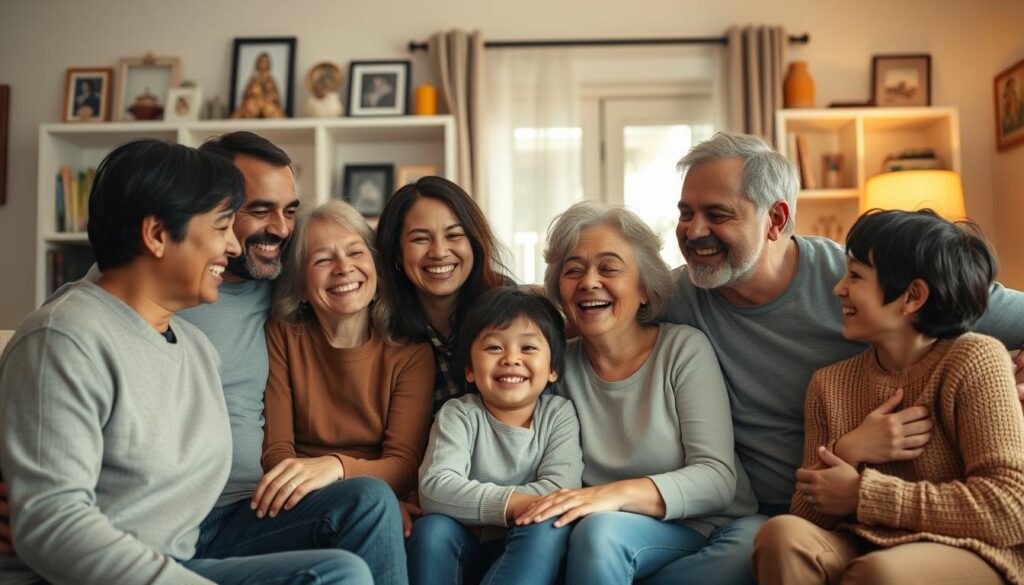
{"x": 600, "y": 532}
{"x": 341, "y": 567}
{"x": 437, "y": 534}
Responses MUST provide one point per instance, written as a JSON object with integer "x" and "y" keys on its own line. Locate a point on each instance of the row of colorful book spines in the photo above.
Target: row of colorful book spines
{"x": 72, "y": 199}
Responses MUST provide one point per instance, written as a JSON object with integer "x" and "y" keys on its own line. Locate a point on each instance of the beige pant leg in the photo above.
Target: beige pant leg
{"x": 921, "y": 562}
{"x": 792, "y": 551}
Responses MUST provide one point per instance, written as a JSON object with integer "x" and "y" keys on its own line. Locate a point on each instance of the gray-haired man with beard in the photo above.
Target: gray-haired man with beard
{"x": 763, "y": 296}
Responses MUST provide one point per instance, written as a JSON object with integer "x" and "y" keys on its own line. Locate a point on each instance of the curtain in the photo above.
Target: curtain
{"x": 533, "y": 141}
{"x": 755, "y": 58}
{"x": 459, "y": 57}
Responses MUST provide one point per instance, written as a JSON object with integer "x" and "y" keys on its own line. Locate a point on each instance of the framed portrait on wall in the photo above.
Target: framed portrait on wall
{"x": 901, "y": 80}
{"x": 143, "y": 83}
{"x": 262, "y": 78}
{"x": 378, "y": 88}
{"x": 367, "y": 187}
{"x": 87, "y": 94}
{"x": 1009, "y": 94}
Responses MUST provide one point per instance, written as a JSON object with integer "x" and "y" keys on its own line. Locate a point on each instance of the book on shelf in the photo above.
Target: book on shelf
{"x": 807, "y": 180}
{"x": 72, "y": 193}
{"x": 68, "y": 264}
{"x": 912, "y": 160}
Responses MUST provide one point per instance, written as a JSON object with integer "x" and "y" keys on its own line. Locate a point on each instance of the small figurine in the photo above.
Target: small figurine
{"x": 261, "y": 98}
{"x": 323, "y": 82}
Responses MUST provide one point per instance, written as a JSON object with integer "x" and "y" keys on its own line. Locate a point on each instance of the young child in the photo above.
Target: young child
{"x": 946, "y": 505}
{"x": 492, "y": 454}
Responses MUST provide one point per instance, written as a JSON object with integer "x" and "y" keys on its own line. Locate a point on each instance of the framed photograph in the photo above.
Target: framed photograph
{"x": 378, "y": 88}
{"x": 262, "y": 75}
{"x": 87, "y": 94}
{"x": 901, "y": 80}
{"x": 183, "y": 104}
{"x": 143, "y": 84}
{"x": 1010, "y": 106}
{"x": 411, "y": 174}
{"x": 367, "y": 187}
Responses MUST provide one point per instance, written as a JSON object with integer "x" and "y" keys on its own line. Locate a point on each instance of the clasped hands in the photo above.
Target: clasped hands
{"x": 832, "y": 486}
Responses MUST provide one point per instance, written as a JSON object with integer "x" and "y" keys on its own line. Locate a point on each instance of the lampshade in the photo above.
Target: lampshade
{"x": 914, "y": 190}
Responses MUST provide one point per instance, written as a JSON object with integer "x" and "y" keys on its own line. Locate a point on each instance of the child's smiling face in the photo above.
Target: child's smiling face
{"x": 866, "y": 315}
{"x": 510, "y": 367}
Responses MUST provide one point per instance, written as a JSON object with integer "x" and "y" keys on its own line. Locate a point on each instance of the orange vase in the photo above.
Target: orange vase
{"x": 798, "y": 89}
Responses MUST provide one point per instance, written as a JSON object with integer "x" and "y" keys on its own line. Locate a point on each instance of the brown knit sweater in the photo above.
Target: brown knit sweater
{"x": 967, "y": 487}
{"x": 370, "y": 404}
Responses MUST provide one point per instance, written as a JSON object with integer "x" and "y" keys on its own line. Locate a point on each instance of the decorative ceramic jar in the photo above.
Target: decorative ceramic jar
{"x": 798, "y": 89}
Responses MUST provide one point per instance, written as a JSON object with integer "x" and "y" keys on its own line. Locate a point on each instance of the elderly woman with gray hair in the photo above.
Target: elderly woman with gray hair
{"x": 343, "y": 402}
{"x": 665, "y": 499}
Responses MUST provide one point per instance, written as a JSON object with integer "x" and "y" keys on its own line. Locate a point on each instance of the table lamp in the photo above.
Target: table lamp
{"x": 914, "y": 190}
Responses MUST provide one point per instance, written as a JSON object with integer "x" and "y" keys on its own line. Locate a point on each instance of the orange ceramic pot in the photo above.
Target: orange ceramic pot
{"x": 798, "y": 89}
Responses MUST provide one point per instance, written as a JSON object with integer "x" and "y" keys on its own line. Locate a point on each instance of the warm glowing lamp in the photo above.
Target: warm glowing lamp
{"x": 914, "y": 190}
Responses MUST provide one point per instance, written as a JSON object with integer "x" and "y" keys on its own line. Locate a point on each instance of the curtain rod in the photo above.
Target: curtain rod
{"x": 422, "y": 45}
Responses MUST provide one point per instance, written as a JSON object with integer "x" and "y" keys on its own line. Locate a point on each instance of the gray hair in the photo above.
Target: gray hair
{"x": 768, "y": 177}
{"x": 288, "y": 305}
{"x": 564, "y": 234}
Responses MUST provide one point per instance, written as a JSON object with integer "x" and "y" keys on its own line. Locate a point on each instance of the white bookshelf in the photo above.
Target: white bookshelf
{"x": 864, "y": 136}
{"x": 319, "y": 148}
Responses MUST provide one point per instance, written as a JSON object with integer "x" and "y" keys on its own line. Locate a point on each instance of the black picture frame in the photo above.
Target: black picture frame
{"x": 281, "y": 55}
{"x": 901, "y": 80}
{"x": 378, "y": 88}
{"x": 367, "y": 187}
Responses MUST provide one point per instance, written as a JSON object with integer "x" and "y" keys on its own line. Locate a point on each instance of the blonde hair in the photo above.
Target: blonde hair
{"x": 288, "y": 305}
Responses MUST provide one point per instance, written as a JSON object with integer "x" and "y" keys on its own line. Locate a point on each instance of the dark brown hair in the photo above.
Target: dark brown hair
{"x": 407, "y": 320}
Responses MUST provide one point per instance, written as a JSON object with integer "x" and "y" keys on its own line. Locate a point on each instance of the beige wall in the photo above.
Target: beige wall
{"x": 39, "y": 39}
{"x": 1008, "y": 165}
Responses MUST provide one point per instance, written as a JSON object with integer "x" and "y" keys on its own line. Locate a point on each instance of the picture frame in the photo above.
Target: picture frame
{"x": 183, "y": 104}
{"x": 901, "y": 80}
{"x": 1009, "y": 103}
{"x": 86, "y": 88}
{"x": 262, "y": 77}
{"x": 367, "y": 187}
{"x": 378, "y": 88}
{"x": 410, "y": 174}
{"x": 143, "y": 83}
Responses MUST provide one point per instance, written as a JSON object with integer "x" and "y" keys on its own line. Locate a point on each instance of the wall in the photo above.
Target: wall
{"x": 1008, "y": 165}
{"x": 39, "y": 39}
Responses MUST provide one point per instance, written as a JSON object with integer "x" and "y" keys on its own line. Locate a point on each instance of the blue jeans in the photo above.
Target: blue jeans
{"x": 358, "y": 518}
{"x": 302, "y": 567}
{"x": 443, "y": 551}
{"x": 620, "y": 547}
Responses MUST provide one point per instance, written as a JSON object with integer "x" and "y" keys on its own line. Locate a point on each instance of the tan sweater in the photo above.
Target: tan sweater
{"x": 967, "y": 488}
{"x": 369, "y": 405}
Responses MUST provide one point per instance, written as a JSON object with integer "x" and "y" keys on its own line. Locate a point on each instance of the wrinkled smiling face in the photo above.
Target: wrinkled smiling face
{"x": 340, "y": 277}
{"x": 266, "y": 220}
{"x": 720, "y": 232}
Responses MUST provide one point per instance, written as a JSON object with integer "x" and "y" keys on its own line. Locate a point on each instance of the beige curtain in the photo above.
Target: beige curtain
{"x": 459, "y": 57}
{"x": 755, "y": 58}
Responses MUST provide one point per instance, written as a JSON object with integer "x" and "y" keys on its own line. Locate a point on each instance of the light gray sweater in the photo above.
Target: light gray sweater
{"x": 474, "y": 462}
{"x": 115, "y": 443}
{"x": 769, "y": 352}
{"x": 669, "y": 421}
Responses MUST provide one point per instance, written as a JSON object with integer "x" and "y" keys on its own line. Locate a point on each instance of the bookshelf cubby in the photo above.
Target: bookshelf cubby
{"x": 864, "y": 137}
